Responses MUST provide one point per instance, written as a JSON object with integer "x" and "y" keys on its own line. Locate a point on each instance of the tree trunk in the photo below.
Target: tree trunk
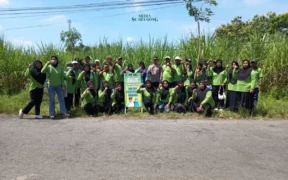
{"x": 199, "y": 42}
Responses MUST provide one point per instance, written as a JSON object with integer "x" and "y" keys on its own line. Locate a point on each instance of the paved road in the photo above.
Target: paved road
{"x": 103, "y": 149}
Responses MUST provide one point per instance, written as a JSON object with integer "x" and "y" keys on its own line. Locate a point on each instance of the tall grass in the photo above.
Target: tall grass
{"x": 270, "y": 50}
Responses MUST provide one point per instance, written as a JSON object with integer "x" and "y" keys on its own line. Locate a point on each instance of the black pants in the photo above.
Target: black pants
{"x": 105, "y": 108}
{"x": 245, "y": 100}
{"x": 155, "y": 84}
{"x": 231, "y": 102}
{"x": 118, "y": 107}
{"x": 149, "y": 106}
{"x": 218, "y": 103}
{"x": 179, "y": 108}
{"x": 36, "y": 96}
{"x": 77, "y": 97}
{"x": 91, "y": 109}
{"x": 69, "y": 101}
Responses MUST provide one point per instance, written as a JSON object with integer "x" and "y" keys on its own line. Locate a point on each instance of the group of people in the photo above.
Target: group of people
{"x": 171, "y": 86}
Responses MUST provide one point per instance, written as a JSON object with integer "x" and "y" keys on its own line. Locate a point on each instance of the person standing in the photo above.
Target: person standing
{"x": 37, "y": 80}
{"x": 218, "y": 77}
{"x": 71, "y": 79}
{"x": 189, "y": 74}
{"x": 168, "y": 71}
{"x": 85, "y": 76}
{"x": 117, "y": 68}
{"x": 246, "y": 84}
{"x": 143, "y": 71}
{"x": 108, "y": 61}
{"x": 55, "y": 74}
{"x": 155, "y": 73}
{"x": 180, "y": 69}
{"x": 257, "y": 73}
{"x": 202, "y": 72}
{"x": 106, "y": 75}
{"x": 231, "y": 80}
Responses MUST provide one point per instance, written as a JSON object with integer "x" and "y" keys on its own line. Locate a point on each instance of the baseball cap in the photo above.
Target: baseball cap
{"x": 167, "y": 57}
{"x": 74, "y": 62}
{"x": 254, "y": 61}
{"x": 177, "y": 58}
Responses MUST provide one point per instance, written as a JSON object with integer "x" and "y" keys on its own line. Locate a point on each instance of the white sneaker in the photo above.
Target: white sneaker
{"x": 38, "y": 117}
{"x": 67, "y": 115}
{"x": 21, "y": 114}
{"x": 52, "y": 117}
{"x": 216, "y": 109}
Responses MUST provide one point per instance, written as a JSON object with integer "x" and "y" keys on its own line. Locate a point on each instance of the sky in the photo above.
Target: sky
{"x": 173, "y": 22}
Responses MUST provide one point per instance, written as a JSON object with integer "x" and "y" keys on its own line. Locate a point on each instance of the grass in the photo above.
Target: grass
{"x": 267, "y": 108}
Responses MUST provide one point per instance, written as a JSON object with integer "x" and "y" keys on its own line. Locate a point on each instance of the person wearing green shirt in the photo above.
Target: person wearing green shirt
{"x": 89, "y": 100}
{"x": 190, "y": 89}
{"x": 164, "y": 97}
{"x": 189, "y": 75}
{"x": 246, "y": 84}
{"x": 37, "y": 80}
{"x": 231, "y": 80}
{"x": 106, "y": 75}
{"x": 203, "y": 100}
{"x": 118, "y": 99}
{"x": 180, "y": 69}
{"x": 117, "y": 70}
{"x": 202, "y": 72}
{"x": 105, "y": 101}
{"x": 85, "y": 76}
{"x": 218, "y": 77}
{"x": 257, "y": 73}
{"x": 149, "y": 95}
{"x": 55, "y": 75}
{"x": 71, "y": 79}
{"x": 168, "y": 71}
{"x": 180, "y": 98}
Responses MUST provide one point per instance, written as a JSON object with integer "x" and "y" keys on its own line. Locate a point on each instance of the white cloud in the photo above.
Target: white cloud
{"x": 1, "y": 28}
{"x": 129, "y": 39}
{"x": 21, "y": 42}
{"x": 56, "y": 19}
{"x": 4, "y": 2}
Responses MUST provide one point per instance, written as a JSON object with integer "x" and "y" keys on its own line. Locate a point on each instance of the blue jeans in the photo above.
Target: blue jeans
{"x": 255, "y": 96}
{"x": 161, "y": 107}
{"x": 59, "y": 92}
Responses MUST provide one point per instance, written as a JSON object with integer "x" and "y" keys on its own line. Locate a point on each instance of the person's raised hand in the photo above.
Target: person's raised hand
{"x": 29, "y": 66}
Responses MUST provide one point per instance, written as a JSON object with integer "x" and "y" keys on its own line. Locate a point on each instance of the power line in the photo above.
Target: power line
{"x": 43, "y": 25}
{"x": 83, "y": 6}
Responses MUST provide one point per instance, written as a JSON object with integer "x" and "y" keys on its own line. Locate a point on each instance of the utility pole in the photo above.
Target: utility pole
{"x": 72, "y": 44}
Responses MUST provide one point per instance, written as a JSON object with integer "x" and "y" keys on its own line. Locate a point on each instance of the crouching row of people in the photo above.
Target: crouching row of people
{"x": 180, "y": 99}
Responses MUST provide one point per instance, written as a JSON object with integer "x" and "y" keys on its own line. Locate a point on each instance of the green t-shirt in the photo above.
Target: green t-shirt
{"x": 117, "y": 73}
{"x": 107, "y": 76}
{"x": 33, "y": 83}
{"x": 55, "y": 76}
{"x": 71, "y": 88}
{"x": 247, "y": 84}
{"x": 88, "y": 98}
{"x": 217, "y": 79}
{"x": 258, "y": 74}
{"x": 83, "y": 84}
{"x": 147, "y": 96}
{"x": 231, "y": 87}
{"x": 167, "y": 73}
{"x": 169, "y": 97}
{"x": 179, "y": 72}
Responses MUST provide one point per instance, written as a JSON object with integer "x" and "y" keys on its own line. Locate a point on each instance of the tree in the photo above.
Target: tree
{"x": 270, "y": 23}
{"x": 71, "y": 38}
{"x": 199, "y": 15}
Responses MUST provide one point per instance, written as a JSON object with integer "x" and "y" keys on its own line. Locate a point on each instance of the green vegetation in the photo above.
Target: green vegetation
{"x": 269, "y": 47}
